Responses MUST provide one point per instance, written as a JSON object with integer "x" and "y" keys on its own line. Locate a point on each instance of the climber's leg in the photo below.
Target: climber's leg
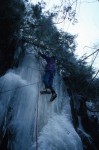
{"x": 46, "y": 78}
{"x": 54, "y": 95}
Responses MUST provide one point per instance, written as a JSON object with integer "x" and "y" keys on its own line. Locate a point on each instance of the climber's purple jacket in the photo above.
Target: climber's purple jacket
{"x": 50, "y": 66}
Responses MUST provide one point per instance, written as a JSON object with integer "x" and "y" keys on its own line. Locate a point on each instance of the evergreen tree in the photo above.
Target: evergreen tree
{"x": 40, "y": 31}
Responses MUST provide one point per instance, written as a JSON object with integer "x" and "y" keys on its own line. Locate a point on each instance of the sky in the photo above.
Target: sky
{"x": 87, "y": 27}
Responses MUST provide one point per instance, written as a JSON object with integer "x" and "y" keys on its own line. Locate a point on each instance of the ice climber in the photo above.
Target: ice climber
{"x": 49, "y": 75}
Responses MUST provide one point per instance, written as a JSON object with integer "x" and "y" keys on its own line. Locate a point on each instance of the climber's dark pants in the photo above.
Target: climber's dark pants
{"x": 48, "y": 81}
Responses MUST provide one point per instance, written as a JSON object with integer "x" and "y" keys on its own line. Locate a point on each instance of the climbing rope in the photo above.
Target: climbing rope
{"x": 20, "y": 87}
{"x": 23, "y": 85}
{"x": 37, "y": 116}
{"x": 36, "y": 105}
{"x": 37, "y": 121}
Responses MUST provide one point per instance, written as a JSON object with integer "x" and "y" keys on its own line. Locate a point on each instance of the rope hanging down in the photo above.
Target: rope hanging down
{"x": 37, "y": 120}
{"x": 37, "y": 115}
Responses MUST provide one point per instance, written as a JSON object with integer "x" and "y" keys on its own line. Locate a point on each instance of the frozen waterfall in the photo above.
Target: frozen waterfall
{"x": 30, "y": 119}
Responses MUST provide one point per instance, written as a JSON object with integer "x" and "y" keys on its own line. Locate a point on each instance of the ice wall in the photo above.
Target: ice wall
{"x": 30, "y": 119}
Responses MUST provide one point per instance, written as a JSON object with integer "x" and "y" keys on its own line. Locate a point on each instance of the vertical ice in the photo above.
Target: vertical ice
{"x": 19, "y": 96}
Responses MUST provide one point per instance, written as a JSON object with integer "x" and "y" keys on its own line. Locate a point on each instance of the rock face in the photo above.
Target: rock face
{"x": 11, "y": 12}
{"x": 29, "y": 120}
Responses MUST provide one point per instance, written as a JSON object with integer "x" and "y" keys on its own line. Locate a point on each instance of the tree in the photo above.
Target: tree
{"x": 40, "y": 31}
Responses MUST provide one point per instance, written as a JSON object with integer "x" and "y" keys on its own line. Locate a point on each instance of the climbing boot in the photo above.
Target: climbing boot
{"x": 53, "y": 97}
{"x": 45, "y": 91}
